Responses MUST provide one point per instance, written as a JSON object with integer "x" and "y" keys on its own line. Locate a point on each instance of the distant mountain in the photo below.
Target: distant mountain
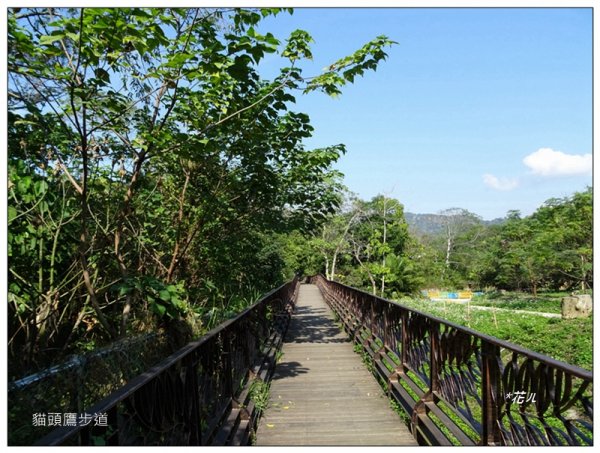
{"x": 424, "y": 223}
{"x": 433, "y": 224}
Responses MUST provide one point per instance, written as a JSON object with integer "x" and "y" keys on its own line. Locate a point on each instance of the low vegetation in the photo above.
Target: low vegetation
{"x": 157, "y": 182}
{"x": 545, "y": 302}
{"x": 568, "y": 340}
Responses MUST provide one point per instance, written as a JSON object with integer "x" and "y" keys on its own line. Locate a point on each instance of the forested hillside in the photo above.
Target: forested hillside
{"x": 432, "y": 224}
{"x": 370, "y": 245}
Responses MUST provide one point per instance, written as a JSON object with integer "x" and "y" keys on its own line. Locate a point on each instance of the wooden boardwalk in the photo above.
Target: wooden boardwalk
{"x": 321, "y": 393}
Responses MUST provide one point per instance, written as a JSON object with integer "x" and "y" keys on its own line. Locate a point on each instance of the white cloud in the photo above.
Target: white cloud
{"x": 547, "y": 162}
{"x": 500, "y": 183}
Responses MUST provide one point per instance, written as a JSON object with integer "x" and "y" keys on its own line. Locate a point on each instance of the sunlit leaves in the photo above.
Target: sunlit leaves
{"x": 298, "y": 46}
{"x": 49, "y": 39}
{"x": 346, "y": 69}
{"x": 152, "y": 134}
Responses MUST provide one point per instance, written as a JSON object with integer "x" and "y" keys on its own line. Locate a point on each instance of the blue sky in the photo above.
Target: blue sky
{"x": 486, "y": 109}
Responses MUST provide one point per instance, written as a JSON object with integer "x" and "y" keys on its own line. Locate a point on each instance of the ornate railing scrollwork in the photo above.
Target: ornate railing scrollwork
{"x": 461, "y": 387}
{"x": 200, "y": 395}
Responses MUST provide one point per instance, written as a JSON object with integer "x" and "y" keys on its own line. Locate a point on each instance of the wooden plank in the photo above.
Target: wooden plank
{"x": 456, "y": 430}
{"x": 225, "y": 430}
{"x": 337, "y": 438}
{"x": 430, "y": 431}
{"x": 321, "y": 393}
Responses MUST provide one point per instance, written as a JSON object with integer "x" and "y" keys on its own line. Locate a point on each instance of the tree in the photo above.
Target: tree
{"x": 167, "y": 155}
{"x": 456, "y": 223}
{"x": 565, "y": 230}
{"x": 550, "y": 249}
{"x": 333, "y": 238}
{"x": 377, "y": 238}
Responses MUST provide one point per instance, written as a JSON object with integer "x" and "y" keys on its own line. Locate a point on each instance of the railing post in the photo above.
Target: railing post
{"x": 490, "y": 387}
{"x": 228, "y": 364}
{"x": 434, "y": 356}
{"x": 420, "y": 410}
{"x": 372, "y": 316}
{"x": 386, "y": 327}
{"x": 194, "y": 422}
{"x": 404, "y": 345}
{"x": 113, "y": 423}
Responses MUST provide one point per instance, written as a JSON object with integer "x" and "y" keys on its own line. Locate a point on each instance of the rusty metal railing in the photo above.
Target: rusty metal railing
{"x": 200, "y": 395}
{"x": 461, "y": 387}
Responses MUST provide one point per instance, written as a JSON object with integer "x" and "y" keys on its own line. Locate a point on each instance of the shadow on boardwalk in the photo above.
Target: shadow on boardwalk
{"x": 314, "y": 325}
{"x": 321, "y": 393}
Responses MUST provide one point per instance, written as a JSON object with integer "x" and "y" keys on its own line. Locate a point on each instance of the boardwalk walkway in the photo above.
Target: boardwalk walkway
{"x": 321, "y": 393}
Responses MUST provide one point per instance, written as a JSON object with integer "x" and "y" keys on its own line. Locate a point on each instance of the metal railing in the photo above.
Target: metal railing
{"x": 200, "y": 395}
{"x": 462, "y": 387}
{"x": 79, "y": 382}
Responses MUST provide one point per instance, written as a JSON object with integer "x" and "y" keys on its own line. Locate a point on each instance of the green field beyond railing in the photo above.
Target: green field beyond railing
{"x": 456, "y": 385}
{"x": 461, "y": 387}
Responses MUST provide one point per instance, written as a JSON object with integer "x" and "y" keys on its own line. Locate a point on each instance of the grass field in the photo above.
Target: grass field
{"x": 567, "y": 340}
{"x": 545, "y": 302}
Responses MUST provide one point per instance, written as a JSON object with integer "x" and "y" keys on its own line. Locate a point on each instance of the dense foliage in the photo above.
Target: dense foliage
{"x": 550, "y": 249}
{"x": 368, "y": 245}
{"x": 152, "y": 170}
{"x": 157, "y": 180}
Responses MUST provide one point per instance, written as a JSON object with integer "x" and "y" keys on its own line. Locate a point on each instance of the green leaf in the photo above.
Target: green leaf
{"x": 124, "y": 289}
{"x": 269, "y": 38}
{"x": 73, "y": 36}
{"x": 179, "y": 59}
{"x": 158, "y": 309}
{"x": 40, "y": 187}
{"x": 49, "y": 39}
{"x": 103, "y": 75}
{"x": 12, "y": 213}
{"x": 298, "y": 46}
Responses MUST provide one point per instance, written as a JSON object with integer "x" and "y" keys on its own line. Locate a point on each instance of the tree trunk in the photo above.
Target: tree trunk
{"x": 175, "y": 255}
{"x": 371, "y": 278}
{"x": 384, "y": 243}
{"x": 333, "y": 261}
{"x": 339, "y": 245}
{"x": 582, "y": 273}
{"x": 448, "y": 251}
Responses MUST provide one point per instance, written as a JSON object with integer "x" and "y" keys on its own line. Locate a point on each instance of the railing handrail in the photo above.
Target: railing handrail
{"x": 572, "y": 369}
{"x": 61, "y": 434}
{"x": 460, "y": 386}
{"x": 75, "y": 361}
